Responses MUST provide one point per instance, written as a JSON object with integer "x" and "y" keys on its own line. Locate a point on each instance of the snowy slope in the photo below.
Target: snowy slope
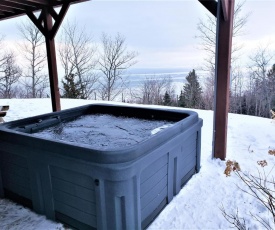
{"x": 198, "y": 204}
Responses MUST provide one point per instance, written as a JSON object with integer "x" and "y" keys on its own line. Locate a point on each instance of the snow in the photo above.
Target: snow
{"x": 103, "y": 131}
{"x": 198, "y": 204}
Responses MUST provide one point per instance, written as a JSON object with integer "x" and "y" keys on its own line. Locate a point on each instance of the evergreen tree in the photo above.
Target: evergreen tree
{"x": 192, "y": 91}
{"x": 181, "y": 102}
{"x": 167, "y": 99}
{"x": 71, "y": 88}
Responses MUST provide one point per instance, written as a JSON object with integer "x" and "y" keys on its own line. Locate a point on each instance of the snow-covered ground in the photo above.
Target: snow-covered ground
{"x": 198, "y": 204}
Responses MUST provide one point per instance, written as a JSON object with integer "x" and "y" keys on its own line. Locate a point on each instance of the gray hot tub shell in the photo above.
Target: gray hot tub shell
{"x": 99, "y": 189}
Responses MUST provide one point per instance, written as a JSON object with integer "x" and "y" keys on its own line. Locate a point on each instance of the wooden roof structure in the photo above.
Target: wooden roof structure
{"x": 222, "y": 9}
{"x": 14, "y": 8}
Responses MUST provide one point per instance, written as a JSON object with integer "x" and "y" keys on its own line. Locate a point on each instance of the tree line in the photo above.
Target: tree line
{"x": 89, "y": 70}
{"x": 252, "y": 92}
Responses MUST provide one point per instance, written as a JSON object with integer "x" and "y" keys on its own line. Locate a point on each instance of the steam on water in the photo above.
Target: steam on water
{"x": 104, "y": 131}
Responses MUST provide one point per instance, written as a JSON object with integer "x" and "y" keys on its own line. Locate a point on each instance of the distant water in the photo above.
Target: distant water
{"x": 158, "y": 70}
{"x": 137, "y": 76}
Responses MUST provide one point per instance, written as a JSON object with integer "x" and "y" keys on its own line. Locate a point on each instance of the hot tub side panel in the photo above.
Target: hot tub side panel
{"x": 139, "y": 192}
{"x": 74, "y": 197}
{"x": 15, "y": 179}
{"x": 166, "y": 170}
{"x": 60, "y": 188}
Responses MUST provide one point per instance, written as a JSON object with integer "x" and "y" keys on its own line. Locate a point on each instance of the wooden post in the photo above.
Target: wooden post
{"x": 44, "y": 23}
{"x": 52, "y": 66}
{"x": 222, "y": 75}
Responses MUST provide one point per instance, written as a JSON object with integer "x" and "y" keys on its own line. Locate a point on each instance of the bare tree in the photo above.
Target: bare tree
{"x": 207, "y": 35}
{"x": 152, "y": 90}
{"x": 236, "y": 92}
{"x": 2, "y": 54}
{"x": 9, "y": 76}
{"x": 208, "y": 92}
{"x": 113, "y": 61}
{"x": 77, "y": 55}
{"x": 35, "y": 80}
{"x": 260, "y": 61}
{"x": 271, "y": 84}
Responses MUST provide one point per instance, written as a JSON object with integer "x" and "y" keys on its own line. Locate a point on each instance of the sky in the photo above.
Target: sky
{"x": 162, "y": 32}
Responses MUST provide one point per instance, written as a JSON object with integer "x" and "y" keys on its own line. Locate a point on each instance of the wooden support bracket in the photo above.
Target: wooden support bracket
{"x": 211, "y": 5}
{"x": 40, "y": 20}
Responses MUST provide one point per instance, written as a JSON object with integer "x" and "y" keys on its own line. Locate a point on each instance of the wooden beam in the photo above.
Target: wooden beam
{"x": 14, "y": 5}
{"x": 8, "y": 9}
{"x": 21, "y": 2}
{"x": 41, "y": 2}
{"x": 211, "y": 5}
{"x": 37, "y": 21}
{"x": 52, "y": 66}
{"x": 53, "y": 13}
{"x": 222, "y": 75}
{"x": 40, "y": 18}
{"x": 59, "y": 18}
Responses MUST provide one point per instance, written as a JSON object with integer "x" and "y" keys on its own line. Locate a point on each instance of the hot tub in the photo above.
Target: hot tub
{"x": 117, "y": 187}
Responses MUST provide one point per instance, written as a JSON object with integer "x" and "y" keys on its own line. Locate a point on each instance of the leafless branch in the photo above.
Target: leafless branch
{"x": 114, "y": 60}
{"x": 34, "y": 54}
{"x": 77, "y": 55}
{"x": 234, "y": 219}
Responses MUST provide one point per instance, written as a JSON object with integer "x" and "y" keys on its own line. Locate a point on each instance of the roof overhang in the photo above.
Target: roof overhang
{"x": 15, "y": 8}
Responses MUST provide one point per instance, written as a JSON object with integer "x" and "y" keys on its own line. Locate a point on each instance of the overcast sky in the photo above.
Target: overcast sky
{"x": 162, "y": 32}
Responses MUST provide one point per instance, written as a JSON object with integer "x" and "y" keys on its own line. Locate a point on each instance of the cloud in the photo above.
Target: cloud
{"x": 155, "y": 29}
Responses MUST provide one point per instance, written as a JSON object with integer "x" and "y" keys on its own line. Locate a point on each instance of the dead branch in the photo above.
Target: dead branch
{"x": 234, "y": 219}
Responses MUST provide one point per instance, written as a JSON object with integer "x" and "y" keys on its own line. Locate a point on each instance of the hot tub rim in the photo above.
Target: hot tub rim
{"x": 126, "y": 154}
